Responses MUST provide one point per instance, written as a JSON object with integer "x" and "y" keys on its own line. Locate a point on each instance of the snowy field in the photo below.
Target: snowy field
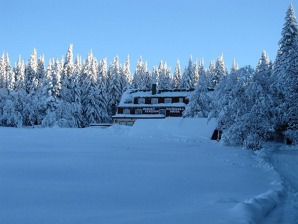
{"x": 160, "y": 172}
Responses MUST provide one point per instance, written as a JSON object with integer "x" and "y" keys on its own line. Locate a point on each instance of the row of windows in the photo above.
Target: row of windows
{"x": 155, "y": 100}
{"x": 140, "y": 111}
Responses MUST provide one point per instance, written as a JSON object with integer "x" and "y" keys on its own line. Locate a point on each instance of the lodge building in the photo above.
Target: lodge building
{"x": 153, "y": 104}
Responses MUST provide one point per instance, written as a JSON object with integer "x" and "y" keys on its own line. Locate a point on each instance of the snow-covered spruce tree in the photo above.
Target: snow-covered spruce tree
{"x": 142, "y": 78}
{"x": 47, "y": 101}
{"x": 7, "y": 79}
{"x": 113, "y": 86}
{"x": 125, "y": 76}
{"x": 284, "y": 78}
{"x": 187, "y": 80}
{"x": 176, "y": 76}
{"x": 103, "y": 95}
{"x": 200, "y": 100}
{"x": 232, "y": 107}
{"x": 154, "y": 75}
{"x": 10, "y": 76}
{"x": 67, "y": 113}
{"x": 210, "y": 72}
{"x": 196, "y": 72}
{"x": 235, "y": 66}
{"x": 164, "y": 76}
{"x": 259, "y": 103}
{"x": 219, "y": 72}
{"x": 202, "y": 70}
{"x": 67, "y": 77}
{"x": 31, "y": 75}
{"x": 40, "y": 71}
{"x": 91, "y": 109}
{"x": 10, "y": 116}
{"x": 2, "y": 72}
{"x": 103, "y": 71}
{"x": 19, "y": 71}
{"x": 31, "y": 100}
{"x": 103, "y": 101}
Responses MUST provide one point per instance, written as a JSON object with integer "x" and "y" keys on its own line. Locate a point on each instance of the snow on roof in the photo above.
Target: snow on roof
{"x": 152, "y": 105}
{"x": 129, "y": 95}
{"x": 139, "y": 116}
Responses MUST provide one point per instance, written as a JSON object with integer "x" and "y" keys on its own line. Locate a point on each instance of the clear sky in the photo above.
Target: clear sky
{"x": 154, "y": 29}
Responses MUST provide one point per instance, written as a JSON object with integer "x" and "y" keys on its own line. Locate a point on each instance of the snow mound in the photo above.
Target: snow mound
{"x": 254, "y": 210}
{"x": 175, "y": 127}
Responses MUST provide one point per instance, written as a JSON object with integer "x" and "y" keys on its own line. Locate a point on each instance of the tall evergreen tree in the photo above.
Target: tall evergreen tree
{"x": 177, "y": 76}
{"x": 114, "y": 89}
{"x": 235, "y": 66}
{"x": 187, "y": 81}
{"x": 31, "y": 75}
{"x": 164, "y": 76}
{"x": 125, "y": 77}
{"x": 196, "y": 72}
{"x": 19, "y": 71}
{"x": 90, "y": 91}
{"x": 284, "y": 77}
{"x": 219, "y": 72}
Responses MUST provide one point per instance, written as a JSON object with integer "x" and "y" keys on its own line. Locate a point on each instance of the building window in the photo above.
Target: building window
{"x": 162, "y": 111}
{"x": 141, "y": 100}
{"x": 138, "y": 111}
{"x": 154, "y": 101}
{"x": 180, "y": 100}
{"x": 126, "y": 111}
{"x": 168, "y": 100}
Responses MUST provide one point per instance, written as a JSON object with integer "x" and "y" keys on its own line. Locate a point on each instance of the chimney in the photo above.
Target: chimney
{"x": 153, "y": 89}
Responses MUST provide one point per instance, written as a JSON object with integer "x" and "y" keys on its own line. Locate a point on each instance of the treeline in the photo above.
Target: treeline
{"x": 251, "y": 105}
{"x": 256, "y": 105}
{"x": 76, "y": 93}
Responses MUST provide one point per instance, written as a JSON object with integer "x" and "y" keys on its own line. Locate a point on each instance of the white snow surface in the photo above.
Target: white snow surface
{"x": 158, "y": 171}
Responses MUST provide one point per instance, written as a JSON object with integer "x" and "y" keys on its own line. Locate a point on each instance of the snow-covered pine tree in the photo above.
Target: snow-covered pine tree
{"x": 187, "y": 80}
{"x": 136, "y": 81}
{"x": 235, "y": 66}
{"x": 10, "y": 117}
{"x": 196, "y": 72}
{"x": 219, "y": 72}
{"x": 177, "y": 76}
{"x": 19, "y": 71}
{"x": 202, "y": 71}
{"x": 47, "y": 101}
{"x": 211, "y": 74}
{"x": 9, "y": 75}
{"x": 142, "y": 78}
{"x": 31, "y": 100}
{"x": 67, "y": 76}
{"x": 125, "y": 76}
{"x": 114, "y": 90}
{"x": 231, "y": 107}
{"x": 154, "y": 75}
{"x": 40, "y": 71}
{"x": 2, "y": 72}
{"x": 199, "y": 100}
{"x": 164, "y": 76}
{"x": 103, "y": 91}
{"x": 284, "y": 77}
{"x": 31, "y": 75}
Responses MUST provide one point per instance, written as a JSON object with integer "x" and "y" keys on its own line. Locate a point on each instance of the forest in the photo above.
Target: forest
{"x": 251, "y": 105}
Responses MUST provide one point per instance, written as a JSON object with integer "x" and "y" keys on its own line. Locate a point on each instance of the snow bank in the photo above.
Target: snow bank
{"x": 254, "y": 210}
{"x": 176, "y": 127}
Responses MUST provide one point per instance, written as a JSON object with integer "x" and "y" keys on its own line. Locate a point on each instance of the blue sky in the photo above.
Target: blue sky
{"x": 156, "y": 29}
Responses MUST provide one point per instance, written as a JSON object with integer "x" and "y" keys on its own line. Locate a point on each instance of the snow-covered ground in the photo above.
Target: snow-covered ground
{"x": 165, "y": 171}
{"x": 284, "y": 159}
